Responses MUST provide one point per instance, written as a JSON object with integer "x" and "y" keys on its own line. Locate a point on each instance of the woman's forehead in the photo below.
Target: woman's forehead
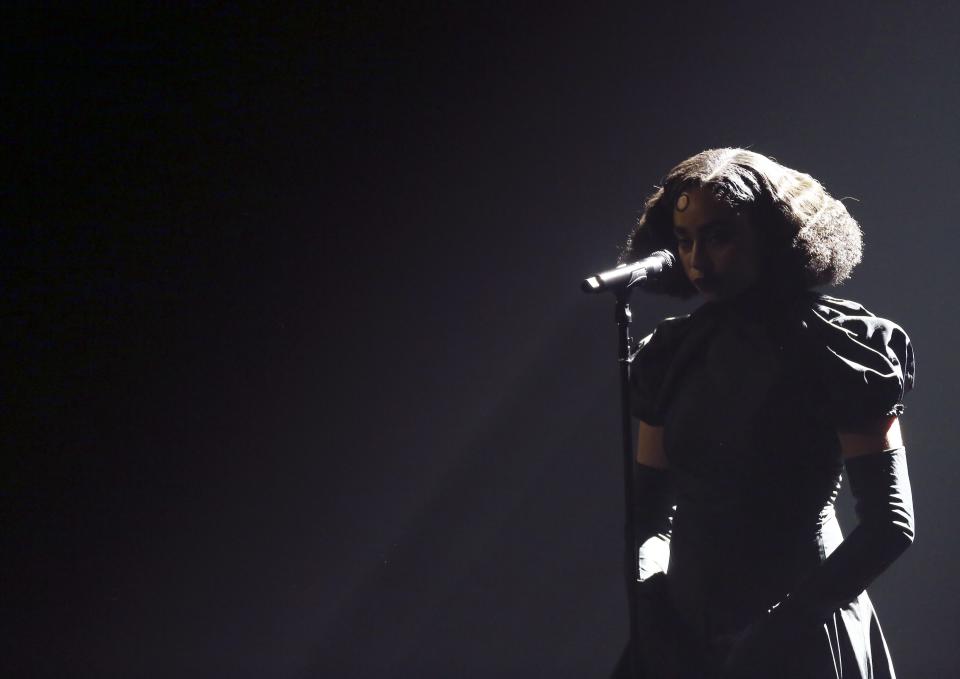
{"x": 697, "y": 206}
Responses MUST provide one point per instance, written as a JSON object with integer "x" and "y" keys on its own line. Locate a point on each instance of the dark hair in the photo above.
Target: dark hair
{"x": 809, "y": 237}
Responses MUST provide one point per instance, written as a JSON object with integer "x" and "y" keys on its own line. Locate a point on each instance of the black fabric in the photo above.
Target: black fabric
{"x": 884, "y": 505}
{"x": 750, "y": 394}
{"x": 653, "y": 501}
{"x": 864, "y": 364}
{"x": 654, "y": 498}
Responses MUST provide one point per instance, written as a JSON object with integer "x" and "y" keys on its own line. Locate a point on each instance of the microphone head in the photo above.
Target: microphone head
{"x": 668, "y": 258}
{"x": 648, "y": 272}
{"x": 663, "y": 273}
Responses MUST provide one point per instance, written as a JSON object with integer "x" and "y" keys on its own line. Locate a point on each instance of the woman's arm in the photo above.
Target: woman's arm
{"x": 876, "y": 465}
{"x": 653, "y": 502}
{"x": 650, "y": 446}
{"x": 882, "y": 434}
{"x": 662, "y": 651}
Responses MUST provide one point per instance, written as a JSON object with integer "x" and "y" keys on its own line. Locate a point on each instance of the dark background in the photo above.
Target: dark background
{"x": 301, "y": 381}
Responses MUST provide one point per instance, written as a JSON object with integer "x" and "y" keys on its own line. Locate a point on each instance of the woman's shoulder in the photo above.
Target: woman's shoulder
{"x": 666, "y": 334}
{"x": 650, "y": 363}
{"x": 866, "y": 361}
{"x": 838, "y": 309}
{"x": 837, "y": 306}
{"x": 836, "y": 319}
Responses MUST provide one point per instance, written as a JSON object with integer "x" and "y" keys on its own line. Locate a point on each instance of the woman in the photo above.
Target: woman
{"x": 749, "y": 409}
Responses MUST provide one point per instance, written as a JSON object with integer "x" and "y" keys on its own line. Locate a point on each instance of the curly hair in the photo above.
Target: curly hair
{"x": 808, "y": 236}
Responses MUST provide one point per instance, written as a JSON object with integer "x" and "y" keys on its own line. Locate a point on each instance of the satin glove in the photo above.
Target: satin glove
{"x": 880, "y": 486}
{"x": 653, "y": 506}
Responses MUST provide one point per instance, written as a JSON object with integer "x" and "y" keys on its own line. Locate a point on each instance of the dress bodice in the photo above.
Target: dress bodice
{"x": 750, "y": 395}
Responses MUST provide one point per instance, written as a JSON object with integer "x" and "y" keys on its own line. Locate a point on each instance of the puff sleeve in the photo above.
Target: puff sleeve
{"x": 650, "y": 366}
{"x": 865, "y": 364}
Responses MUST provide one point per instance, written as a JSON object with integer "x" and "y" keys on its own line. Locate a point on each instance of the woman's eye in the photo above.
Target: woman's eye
{"x": 718, "y": 237}
{"x": 684, "y": 243}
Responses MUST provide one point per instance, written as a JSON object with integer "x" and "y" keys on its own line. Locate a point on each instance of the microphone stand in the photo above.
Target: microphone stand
{"x": 623, "y": 316}
{"x": 620, "y": 281}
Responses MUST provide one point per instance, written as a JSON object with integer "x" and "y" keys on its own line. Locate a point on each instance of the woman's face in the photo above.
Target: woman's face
{"x": 716, "y": 244}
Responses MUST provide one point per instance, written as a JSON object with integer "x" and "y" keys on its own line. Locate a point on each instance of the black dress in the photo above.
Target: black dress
{"x": 750, "y": 394}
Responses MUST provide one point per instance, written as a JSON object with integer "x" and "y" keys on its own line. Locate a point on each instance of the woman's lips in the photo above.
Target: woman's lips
{"x": 705, "y": 283}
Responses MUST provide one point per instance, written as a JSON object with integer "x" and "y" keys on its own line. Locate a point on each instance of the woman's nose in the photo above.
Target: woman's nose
{"x": 698, "y": 257}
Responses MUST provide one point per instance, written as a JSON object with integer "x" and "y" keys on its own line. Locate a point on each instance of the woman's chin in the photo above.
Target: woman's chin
{"x": 710, "y": 295}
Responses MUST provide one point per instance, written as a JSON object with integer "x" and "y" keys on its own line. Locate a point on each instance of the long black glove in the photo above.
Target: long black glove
{"x": 662, "y": 650}
{"x": 653, "y": 503}
{"x": 884, "y": 504}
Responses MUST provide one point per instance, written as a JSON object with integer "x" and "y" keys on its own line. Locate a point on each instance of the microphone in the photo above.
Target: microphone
{"x": 644, "y": 272}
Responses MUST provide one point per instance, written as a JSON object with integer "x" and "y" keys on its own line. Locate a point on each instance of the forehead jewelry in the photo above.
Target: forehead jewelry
{"x": 682, "y": 202}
